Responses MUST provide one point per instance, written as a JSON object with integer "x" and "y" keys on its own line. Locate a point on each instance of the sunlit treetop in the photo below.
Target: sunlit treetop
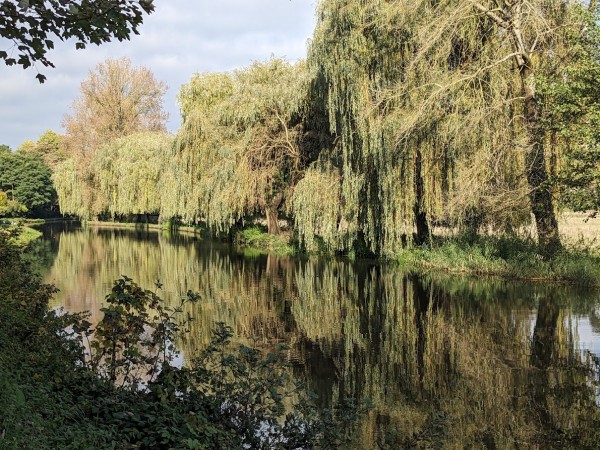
{"x": 33, "y": 26}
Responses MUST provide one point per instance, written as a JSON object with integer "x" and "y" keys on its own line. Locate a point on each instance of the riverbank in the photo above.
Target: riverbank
{"x": 510, "y": 258}
{"x": 507, "y": 257}
{"x": 22, "y": 235}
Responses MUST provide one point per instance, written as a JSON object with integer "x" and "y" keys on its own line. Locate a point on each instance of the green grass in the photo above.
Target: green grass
{"x": 27, "y": 235}
{"x": 256, "y": 239}
{"x": 23, "y": 235}
{"x": 507, "y": 257}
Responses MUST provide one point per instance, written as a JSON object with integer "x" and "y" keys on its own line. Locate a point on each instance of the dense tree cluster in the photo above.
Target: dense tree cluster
{"x": 25, "y": 185}
{"x": 470, "y": 114}
{"x": 117, "y": 101}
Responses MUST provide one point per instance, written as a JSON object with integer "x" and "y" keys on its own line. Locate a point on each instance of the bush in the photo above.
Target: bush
{"x": 65, "y": 384}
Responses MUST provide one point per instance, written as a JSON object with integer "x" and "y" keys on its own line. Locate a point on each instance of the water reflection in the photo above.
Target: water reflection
{"x": 447, "y": 362}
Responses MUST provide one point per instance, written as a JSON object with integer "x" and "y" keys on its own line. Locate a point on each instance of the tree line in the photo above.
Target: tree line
{"x": 480, "y": 115}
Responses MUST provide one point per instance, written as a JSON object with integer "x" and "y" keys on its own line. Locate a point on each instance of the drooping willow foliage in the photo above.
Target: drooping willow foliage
{"x": 239, "y": 143}
{"x": 125, "y": 177}
{"x": 70, "y": 188}
{"x": 407, "y": 115}
{"x": 429, "y": 108}
{"x": 129, "y": 172}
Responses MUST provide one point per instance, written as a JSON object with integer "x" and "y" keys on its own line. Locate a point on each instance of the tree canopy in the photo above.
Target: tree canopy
{"x": 437, "y": 112}
{"x": 33, "y": 25}
{"x": 25, "y": 179}
{"x": 117, "y": 100}
{"x": 473, "y": 115}
{"x": 240, "y": 143}
{"x": 50, "y": 147}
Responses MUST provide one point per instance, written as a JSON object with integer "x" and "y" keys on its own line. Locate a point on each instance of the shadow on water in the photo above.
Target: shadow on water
{"x": 447, "y": 362}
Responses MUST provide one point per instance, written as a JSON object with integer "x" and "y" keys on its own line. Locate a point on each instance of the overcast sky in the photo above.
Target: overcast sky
{"x": 180, "y": 38}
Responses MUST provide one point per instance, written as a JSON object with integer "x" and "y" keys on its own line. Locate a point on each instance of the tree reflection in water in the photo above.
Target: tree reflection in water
{"x": 447, "y": 362}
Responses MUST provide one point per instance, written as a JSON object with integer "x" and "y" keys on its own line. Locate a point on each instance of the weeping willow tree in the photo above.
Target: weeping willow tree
{"x": 116, "y": 100}
{"x": 359, "y": 50}
{"x": 240, "y": 144}
{"x": 435, "y": 109}
{"x": 69, "y": 185}
{"x": 129, "y": 172}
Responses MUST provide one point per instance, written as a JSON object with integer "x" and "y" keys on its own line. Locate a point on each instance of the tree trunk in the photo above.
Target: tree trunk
{"x": 272, "y": 214}
{"x": 421, "y": 222}
{"x": 540, "y": 196}
{"x": 272, "y": 220}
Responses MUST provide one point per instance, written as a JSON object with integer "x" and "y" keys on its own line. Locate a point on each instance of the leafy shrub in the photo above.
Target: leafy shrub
{"x": 68, "y": 385}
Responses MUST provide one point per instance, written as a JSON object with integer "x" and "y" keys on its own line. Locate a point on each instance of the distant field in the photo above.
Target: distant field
{"x": 574, "y": 228}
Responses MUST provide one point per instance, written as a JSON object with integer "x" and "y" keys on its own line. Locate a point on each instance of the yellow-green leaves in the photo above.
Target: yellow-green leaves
{"x": 239, "y": 142}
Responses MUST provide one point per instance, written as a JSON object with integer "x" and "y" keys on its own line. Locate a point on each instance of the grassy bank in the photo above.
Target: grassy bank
{"x": 256, "y": 238}
{"x": 21, "y": 235}
{"x": 507, "y": 257}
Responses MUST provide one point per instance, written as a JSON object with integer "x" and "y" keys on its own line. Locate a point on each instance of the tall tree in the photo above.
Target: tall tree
{"x": 129, "y": 172}
{"x": 32, "y": 25}
{"x": 240, "y": 141}
{"x": 27, "y": 180}
{"x": 117, "y": 99}
{"x": 531, "y": 41}
{"x": 50, "y": 147}
{"x": 359, "y": 51}
{"x": 437, "y": 107}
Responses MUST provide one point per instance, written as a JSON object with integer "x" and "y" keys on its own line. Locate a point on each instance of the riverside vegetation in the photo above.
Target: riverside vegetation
{"x": 407, "y": 121}
{"x": 70, "y": 385}
{"x": 472, "y": 117}
{"x": 446, "y": 361}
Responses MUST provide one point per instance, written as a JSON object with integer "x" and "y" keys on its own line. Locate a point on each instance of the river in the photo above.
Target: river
{"x": 445, "y": 361}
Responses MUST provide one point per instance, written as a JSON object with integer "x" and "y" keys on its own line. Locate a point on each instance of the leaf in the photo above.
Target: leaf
{"x": 19, "y": 397}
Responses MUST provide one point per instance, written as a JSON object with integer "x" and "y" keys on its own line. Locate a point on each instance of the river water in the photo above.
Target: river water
{"x": 445, "y": 361}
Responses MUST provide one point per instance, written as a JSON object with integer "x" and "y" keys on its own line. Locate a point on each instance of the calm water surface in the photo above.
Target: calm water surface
{"x": 447, "y": 362}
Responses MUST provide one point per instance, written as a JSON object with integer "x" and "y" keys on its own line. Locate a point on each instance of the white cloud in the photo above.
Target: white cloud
{"x": 181, "y": 38}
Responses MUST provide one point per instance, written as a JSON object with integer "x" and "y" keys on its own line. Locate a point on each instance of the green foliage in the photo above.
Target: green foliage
{"x": 128, "y": 172}
{"x": 50, "y": 147}
{"x": 70, "y": 189}
{"x": 258, "y": 238}
{"x": 26, "y": 179}
{"x": 322, "y": 213}
{"x": 66, "y": 384}
{"x": 33, "y": 24}
{"x": 10, "y": 208}
{"x": 134, "y": 341}
{"x": 571, "y": 121}
{"x": 239, "y": 143}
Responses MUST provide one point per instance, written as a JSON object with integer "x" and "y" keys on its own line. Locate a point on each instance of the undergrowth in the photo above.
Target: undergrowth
{"x": 506, "y": 256}
{"x": 66, "y": 383}
{"x": 257, "y": 238}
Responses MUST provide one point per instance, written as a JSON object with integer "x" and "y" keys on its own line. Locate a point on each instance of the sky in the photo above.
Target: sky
{"x": 180, "y": 38}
